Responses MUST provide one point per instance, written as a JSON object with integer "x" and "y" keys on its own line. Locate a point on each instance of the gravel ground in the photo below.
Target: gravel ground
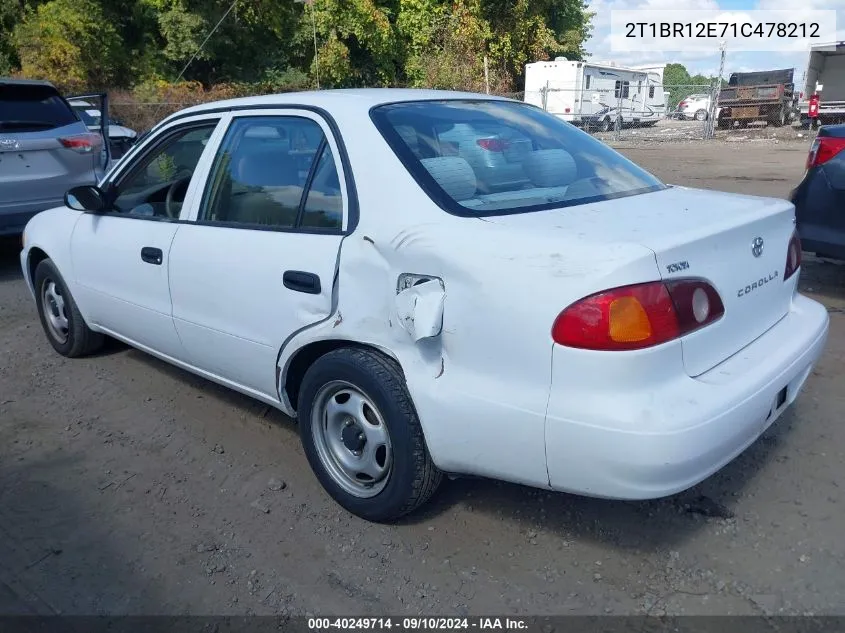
{"x": 130, "y": 487}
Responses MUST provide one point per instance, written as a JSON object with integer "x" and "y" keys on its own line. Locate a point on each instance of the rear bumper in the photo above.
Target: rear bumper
{"x": 14, "y": 216}
{"x": 818, "y": 215}
{"x": 690, "y": 427}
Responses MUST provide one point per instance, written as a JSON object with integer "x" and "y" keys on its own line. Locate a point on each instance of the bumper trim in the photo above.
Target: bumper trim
{"x": 726, "y": 410}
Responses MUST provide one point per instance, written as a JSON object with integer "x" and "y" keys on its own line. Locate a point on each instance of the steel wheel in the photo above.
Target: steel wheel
{"x": 53, "y": 305}
{"x": 352, "y": 440}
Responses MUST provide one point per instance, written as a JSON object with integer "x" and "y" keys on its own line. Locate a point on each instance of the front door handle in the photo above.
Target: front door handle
{"x": 301, "y": 281}
{"x": 152, "y": 255}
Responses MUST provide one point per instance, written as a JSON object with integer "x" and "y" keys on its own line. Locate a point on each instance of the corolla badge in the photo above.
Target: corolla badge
{"x": 8, "y": 143}
{"x": 757, "y": 247}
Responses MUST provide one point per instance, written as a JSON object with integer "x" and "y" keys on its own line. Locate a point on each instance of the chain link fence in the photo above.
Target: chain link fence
{"x": 632, "y": 111}
{"x": 625, "y": 113}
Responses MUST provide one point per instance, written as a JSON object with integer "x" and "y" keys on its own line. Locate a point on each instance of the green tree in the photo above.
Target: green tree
{"x": 359, "y": 42}
{"x": 257, "y": 45}
{"x": 10, "y": 12}
{"x": 71, "y": 43}
{"x": 680, "y": 84}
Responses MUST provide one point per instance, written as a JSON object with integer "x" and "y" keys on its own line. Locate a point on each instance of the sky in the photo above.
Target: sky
{"x": 707, "y": 64}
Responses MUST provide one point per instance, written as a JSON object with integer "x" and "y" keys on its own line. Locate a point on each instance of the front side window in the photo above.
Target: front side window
{"x": 156, "y": 186}
{"x": 274, "y": 172}
{"x": 485, "y": 157}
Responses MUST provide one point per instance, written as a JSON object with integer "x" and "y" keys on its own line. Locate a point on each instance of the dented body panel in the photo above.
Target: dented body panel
{"x": 465, "y": 305}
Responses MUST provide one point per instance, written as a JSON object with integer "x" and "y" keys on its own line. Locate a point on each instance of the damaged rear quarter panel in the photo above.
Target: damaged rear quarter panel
{"x": 481, "y": 386}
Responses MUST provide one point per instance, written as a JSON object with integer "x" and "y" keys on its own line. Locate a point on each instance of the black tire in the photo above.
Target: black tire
{"x": 724, "y": 124}
{"x": 606, "y": 125}
{"x": 413, "y": 477}
{"x": 779, "y": 120}
{"x": 80, "y": 339}
{"x": 701, "y": 115}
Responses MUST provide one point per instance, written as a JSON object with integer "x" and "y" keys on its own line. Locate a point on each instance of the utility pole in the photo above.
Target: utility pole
{"x": 314, "y": 28}
{"x": 711, "y": 119}
{"x": 486, "y": 75}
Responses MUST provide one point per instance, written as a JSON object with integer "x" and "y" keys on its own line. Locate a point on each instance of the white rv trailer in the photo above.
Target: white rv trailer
{"x": 596, "y": 94}
{"x": 826, "y": 75}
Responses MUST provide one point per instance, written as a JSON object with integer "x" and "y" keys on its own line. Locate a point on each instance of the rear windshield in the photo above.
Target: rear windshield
{"x": 32, "y": 109}
{"x": 487, "y": 157}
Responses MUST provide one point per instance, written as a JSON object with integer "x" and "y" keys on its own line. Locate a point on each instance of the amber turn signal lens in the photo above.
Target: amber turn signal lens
{"x": 628, "y": 321}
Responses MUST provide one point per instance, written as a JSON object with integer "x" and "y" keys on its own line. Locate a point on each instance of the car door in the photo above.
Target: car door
{"x": 258, "y": 261}
{"x": 120, "y": 257}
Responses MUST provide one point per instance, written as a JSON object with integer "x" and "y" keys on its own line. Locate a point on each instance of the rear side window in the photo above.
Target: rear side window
{"x": 32, "y": 109}
{"x": 486, "y": 157}
{"x": 274, "y": 172}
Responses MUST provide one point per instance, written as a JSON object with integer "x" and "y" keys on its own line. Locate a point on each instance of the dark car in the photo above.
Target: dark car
{"x": 820, "y": 197}
{"x": 45, "y": 149}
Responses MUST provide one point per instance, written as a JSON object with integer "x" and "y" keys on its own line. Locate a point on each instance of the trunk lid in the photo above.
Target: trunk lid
{"x": 36, "y": 166}
{"x": 696, "y": 233}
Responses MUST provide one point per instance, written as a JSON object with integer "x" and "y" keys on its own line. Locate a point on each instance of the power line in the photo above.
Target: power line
{"x": 204, "y": 42}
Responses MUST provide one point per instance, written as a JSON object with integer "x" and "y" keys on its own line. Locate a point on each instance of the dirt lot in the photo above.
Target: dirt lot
{"x": 127, "y": 486}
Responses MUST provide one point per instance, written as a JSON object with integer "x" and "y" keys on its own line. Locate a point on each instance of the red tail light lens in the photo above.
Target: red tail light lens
{"x": 824, "y": 148}
{"x": 793, "y": 256}
{"x": 492, "y": 144}
{"x": 82, "y": 143}
{"x": 638, "y": 316}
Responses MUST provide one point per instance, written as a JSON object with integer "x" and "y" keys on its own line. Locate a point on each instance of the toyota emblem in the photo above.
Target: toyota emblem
{"x": 757, "y": 247}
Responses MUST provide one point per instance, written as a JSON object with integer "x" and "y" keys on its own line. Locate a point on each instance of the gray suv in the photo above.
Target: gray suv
{"x": 45, "y": 149}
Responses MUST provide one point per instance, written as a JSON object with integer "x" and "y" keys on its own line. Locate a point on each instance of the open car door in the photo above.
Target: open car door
{"x": 93, "y": 109}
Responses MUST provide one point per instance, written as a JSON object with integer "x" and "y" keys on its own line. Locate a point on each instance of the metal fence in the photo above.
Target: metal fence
{"x": 627, "y": 113}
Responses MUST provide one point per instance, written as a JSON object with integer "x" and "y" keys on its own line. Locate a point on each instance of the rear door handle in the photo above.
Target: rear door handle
{"x": 152, "y": 255}
{"x": 301, "y": 281}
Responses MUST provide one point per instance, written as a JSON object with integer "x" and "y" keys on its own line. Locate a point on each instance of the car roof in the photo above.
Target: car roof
{"x": 12, "y": 81}
{"x": 358, "y": 98}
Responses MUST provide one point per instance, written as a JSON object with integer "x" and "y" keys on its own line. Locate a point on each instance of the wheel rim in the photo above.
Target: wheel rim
{"x": 352, "y": 439}
{"x": 54, "y": 308}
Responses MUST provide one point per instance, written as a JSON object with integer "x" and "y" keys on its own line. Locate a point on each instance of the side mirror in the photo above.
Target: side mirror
{"x": 86, "y": 198}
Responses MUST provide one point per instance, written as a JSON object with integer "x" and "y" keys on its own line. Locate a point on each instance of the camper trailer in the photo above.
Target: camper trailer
{"x": 598, "y": 95}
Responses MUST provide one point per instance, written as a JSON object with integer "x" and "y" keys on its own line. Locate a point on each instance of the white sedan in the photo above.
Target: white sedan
{"x": 585, "y": 328}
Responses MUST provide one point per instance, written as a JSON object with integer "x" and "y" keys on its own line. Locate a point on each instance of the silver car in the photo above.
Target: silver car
{"x": 45, "y": 149}
{"x": 495, "y": 154}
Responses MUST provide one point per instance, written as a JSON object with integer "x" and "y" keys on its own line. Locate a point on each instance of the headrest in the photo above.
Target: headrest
{"x": 452, "y": 173}
{"x": 272, "y": 168}
{"x": 550, "y": 168}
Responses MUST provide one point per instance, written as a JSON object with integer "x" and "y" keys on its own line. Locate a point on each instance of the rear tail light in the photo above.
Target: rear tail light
{"x": 492, "y": 144}
{"x": 823, "y": 149}
{"x": 82, "y": 143}
{"x": 638, "y": 316}
{"x": 793, "y": 256}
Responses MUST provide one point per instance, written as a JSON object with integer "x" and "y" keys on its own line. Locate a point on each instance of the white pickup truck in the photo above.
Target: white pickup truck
{"x": 825, "y": 74}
